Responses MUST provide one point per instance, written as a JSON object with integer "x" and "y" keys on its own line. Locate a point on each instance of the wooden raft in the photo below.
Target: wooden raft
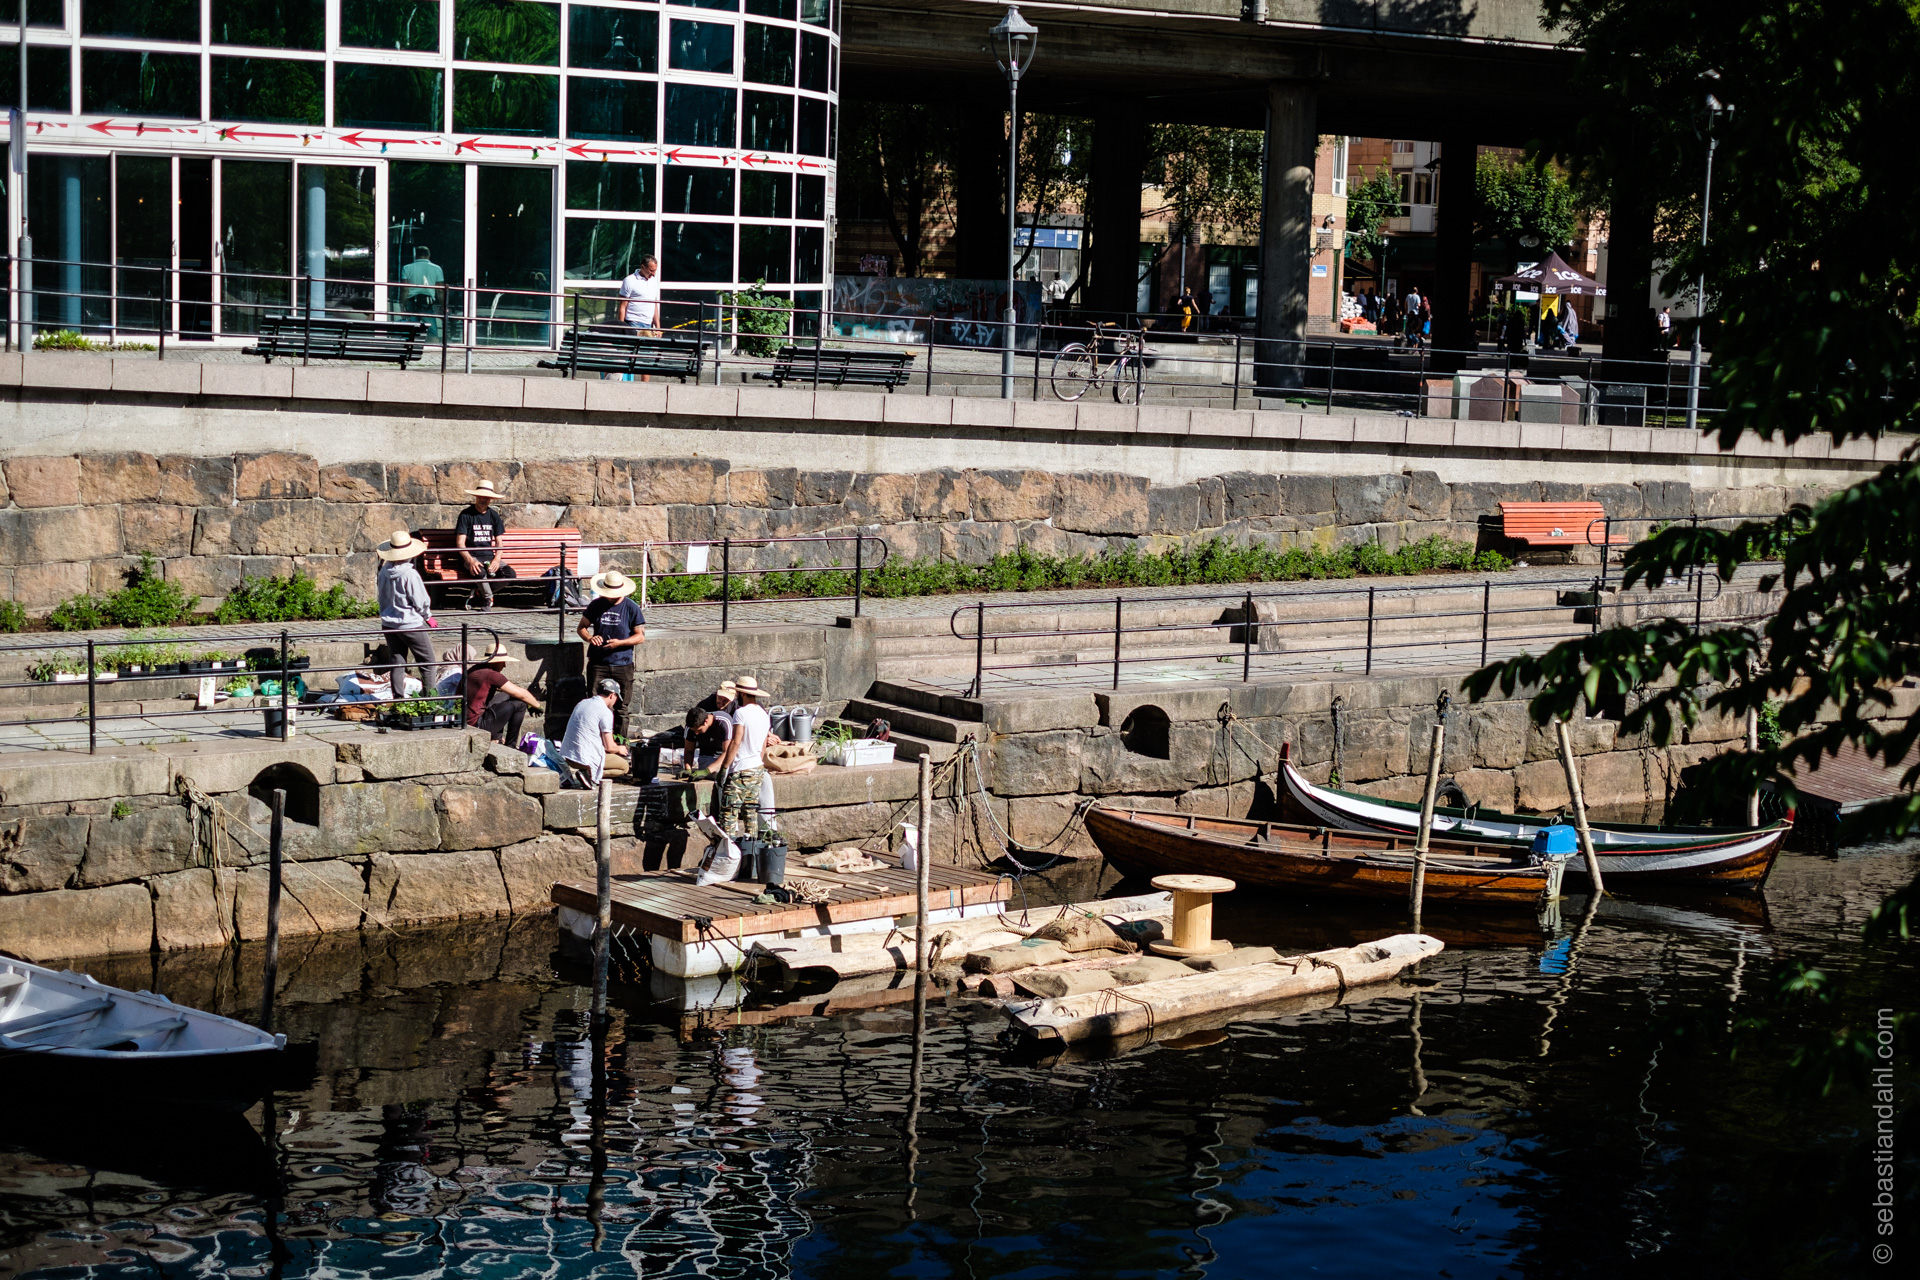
{"x": 669, "y": 904}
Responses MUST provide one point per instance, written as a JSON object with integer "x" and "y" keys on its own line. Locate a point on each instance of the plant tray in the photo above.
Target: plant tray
{"x": 864, "y": 751}
{"x": 435, "y": 720}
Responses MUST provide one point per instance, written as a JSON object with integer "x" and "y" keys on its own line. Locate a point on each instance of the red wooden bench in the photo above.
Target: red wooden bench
{"x": 1557, "y": 524}
{"x": 528, "y": 552}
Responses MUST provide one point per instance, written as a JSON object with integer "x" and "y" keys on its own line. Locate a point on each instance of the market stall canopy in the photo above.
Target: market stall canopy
{"x": 1554, "y": 276}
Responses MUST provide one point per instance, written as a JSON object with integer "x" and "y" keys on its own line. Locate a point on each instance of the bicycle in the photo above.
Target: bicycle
{"x": 1078, "y": 368}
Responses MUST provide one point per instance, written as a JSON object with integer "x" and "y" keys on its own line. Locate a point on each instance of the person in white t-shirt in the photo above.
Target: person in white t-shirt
{"x": 589, "y": 749}
{"x": 640, "y": 297}
{"x": 742, "y": 761}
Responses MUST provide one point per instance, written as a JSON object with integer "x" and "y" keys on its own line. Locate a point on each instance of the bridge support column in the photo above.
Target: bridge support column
{"x": 1286, "y": 235}
{"x": 1119, "y": 161}
{"x": 980, "y": 180}
{"x": 1631, "y": 333}
{"x": 1453, "y": 252}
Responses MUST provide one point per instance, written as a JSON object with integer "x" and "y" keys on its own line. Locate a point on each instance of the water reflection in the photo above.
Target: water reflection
{"x": 1524, "y": 1104}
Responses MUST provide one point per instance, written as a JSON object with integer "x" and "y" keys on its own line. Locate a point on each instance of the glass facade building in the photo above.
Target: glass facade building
{"x": 194, "y": 164}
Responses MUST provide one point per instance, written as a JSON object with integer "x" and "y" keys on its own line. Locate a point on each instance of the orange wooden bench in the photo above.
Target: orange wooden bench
{"x": 1556, "y": 524}
{"x": 528, "y": 552}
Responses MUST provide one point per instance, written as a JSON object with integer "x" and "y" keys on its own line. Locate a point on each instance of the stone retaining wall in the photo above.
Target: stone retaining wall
{"x": 77, "y": 523}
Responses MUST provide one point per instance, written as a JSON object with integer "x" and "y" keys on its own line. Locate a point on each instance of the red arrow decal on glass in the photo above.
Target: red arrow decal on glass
{"x": 357, "y": 139}
{"x": 108, "y": 127}
{"x": 234, "y": 131}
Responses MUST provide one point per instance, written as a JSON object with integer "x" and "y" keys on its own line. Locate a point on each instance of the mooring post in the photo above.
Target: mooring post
{"x": 921, "y": 876}
{"x": 274, "y": 851}
{"x": 1424, "y": 839}
{"x": 603, "y": 899}
{"x": 1579, "y": 806}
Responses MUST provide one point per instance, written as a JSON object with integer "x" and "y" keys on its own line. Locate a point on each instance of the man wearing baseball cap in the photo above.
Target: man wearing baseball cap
{"x": 476, "y": 533}
{"x": 612, "y": 625}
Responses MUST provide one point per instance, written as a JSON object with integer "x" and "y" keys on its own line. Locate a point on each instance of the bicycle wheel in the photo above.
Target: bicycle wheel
{"x": 1074, "y": 370}
{"x": 1126, "y": 381}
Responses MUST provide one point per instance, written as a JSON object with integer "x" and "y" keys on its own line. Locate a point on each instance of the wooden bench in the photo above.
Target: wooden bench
{"x": 528, "y": 552}
{"x": 331, "y": 338}
{"x": 1556, "y": 524}
{"x": 887, "y": 369}
{"x": 617, "y": 349}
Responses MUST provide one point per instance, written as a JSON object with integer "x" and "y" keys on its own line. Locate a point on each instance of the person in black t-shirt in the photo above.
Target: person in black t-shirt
{"x": 707, "y": 733}
{"x": 612, "y": 625}
{"x": 477, "y": 536}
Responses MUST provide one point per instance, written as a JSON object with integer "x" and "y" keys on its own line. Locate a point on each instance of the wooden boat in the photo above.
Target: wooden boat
{"x": 1315, "y": 860}
{"x": 1629, "y": 855}
{"x": 66, "y": 1035}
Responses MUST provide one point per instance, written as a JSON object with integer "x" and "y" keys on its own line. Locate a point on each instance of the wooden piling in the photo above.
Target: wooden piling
{"x": 603, "y": 914}
{"x": 1422, "y": 842}
{"x": 1579, "y": 805}
{"x": 275, "y": 851}
{"x": 924, "y": 851}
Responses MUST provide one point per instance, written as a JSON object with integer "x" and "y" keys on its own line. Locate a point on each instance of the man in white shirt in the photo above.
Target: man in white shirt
{"x": 589, "y": 749}
{"x": 640, "y": 297}
{"x": 742, "y": 763}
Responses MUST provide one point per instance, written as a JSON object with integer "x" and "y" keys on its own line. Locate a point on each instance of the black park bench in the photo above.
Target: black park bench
{"x": 398, "y": 342}
{"x": 612, "y": 349}
{"x": 887, "y": 369}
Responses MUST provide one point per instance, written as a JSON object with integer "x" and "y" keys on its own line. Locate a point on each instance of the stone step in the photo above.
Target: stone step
{"x": 924, "y": 724}
{"x": 920, "y": 697}
{"x": 909, "y": 746}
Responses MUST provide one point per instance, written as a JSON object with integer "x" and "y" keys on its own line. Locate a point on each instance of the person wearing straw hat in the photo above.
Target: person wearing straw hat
{"x": 476, "y": 534}
{"x": 612, "y": 625}
{"x": 495, "y": 703}
{"x": 740, "y": 799}
{"x": 405, "y": 611}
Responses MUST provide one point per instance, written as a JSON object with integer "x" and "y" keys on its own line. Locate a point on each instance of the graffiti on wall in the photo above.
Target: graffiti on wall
{"x": 960, "y": 313}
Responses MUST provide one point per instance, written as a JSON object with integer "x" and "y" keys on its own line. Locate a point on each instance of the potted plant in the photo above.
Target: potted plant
{"x": 418, "y": 713}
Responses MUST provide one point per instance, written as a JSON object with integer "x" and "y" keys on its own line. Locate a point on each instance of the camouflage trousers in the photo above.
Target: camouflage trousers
{"x": 740, "y": 803}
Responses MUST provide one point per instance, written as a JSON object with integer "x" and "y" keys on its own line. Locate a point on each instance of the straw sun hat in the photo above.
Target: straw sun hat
{"x": 747, "y": 685}
{"x": 402, "y": 546}
{"x": 484, "y": 489}
{"x": 612, "y": 585}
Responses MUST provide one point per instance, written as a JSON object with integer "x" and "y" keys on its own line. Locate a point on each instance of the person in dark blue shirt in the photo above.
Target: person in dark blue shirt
{"x": 612, "y": 625}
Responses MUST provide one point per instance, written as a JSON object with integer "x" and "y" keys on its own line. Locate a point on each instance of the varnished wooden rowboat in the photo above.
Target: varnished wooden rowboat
{"x": 1313, "y": 860}
{"x": 1714, "y": 858}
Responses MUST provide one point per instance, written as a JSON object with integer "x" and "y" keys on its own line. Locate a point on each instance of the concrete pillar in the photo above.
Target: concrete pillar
{"x": 980, "y": 210}
{"x": 1631, "y": 334}
{"x": 70, "y": 243}
{"x": 313, "y": 233}
{"x": 1453, "y": 251}
{"x": 1286, "y": 234}
{"x": 1119, "y": 161}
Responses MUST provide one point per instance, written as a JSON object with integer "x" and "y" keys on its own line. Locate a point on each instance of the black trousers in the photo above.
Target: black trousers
{"x": 503, "y": 718}
{"x": 416, "y": 643}
{"x": 622, "y": 676}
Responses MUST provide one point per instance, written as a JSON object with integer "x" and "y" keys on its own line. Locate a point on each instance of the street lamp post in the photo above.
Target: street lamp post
{"x": 23, "y": 292}
{"x": 1714, "y": 108}
{"x": 1014, "y": 41}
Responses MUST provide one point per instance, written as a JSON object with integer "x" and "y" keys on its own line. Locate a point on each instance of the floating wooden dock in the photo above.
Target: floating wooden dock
{"x": 696, "y": 930}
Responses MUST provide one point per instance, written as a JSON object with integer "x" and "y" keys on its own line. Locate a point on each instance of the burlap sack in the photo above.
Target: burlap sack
{"x": 789, "y": 757}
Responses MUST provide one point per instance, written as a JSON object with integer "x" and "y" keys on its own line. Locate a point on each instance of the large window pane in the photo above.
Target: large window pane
{"x": 699, "y": 115}
{"x": 697, "y": 251}
{"x": 334, "y": 229}
{"x": 766, "y": 253}
{"x": 507, "y": 31}
{"x": 766, "y": 195}
{"x": 771, "y": 8}
{"x": 769, "y": 54}
{"x": 271, "y": 24}
{"x": 606, "y": 248}
{"x": 506, "y": 102}
{"x": 609, "y": 187}
{"x": 127, "y": 82}
{"x": 612, "y": 39}
{"x": 272, "y": 90}
{"x": 690, "y": 190}
{"x": 44, "y": 13}
{"x": 426, "y": 240}
{"x": 391, "y": 24}
{"x": 618, "y": 110}
{"x": 256, "y": 241}
{"x": 813, "y": 62}
{"x": 49, "y": 76}
{"x": 809, "y": 248}
{"x": 816, "y": 12}
{"x": 700, "y": 46}
{"x": 193, "y": 286}
{"x": 141, "y": 19}
{"x": 143, "y": 238}
{"x": 68, "y": 199}
{"x": 375, "y": 97}
{"x": 732, "y": 6}
{"x": 813, "y": 127}
{"x": 513, "y": 247}
{"x": 766, "y": 121}
{"x": 813, "y": 198}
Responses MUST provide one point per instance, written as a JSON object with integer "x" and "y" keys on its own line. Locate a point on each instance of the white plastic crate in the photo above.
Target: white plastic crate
{"x": 864, "y": 751}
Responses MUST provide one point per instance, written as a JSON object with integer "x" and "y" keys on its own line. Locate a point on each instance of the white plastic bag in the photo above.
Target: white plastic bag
{"x": 721, "y": 863}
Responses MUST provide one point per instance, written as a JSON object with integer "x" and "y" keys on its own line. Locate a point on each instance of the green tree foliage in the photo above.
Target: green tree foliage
{"x": 292, "y": 599}
{"x": 762, "y": 320}
{"x": 1054, "y": 160}
{"x": 900, "y": 158}
{"x": 1523, "y": 200}
{"x": 1369, "y": 205}
{"x": 1817, "y": 274}
{"x": 1210, "y": 178}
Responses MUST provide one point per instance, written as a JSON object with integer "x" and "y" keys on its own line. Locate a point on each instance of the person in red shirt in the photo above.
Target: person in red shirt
{"x": 495, "y": 703}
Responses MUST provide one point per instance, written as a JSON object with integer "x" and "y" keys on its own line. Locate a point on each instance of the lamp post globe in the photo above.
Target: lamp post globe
{"x": 1014, "y": 41}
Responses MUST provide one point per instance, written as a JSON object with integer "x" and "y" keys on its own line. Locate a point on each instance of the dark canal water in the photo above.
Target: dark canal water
{"x": 1533, "y": 1104}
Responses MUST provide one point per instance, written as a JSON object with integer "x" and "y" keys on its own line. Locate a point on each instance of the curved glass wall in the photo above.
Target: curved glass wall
{"x": 465, "y": 160}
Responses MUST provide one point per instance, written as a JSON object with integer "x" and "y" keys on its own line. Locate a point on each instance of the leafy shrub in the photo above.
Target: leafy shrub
{"x": 149, "y": 600}
{"x": 759, "y": 331}
{"x": 12, "y": 616}
{"x": 68, "y": 340}
{"x": 79, "y": 613}
{"x": 294, "y": 599}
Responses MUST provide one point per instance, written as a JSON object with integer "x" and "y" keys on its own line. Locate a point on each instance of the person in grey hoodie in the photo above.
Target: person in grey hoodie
{"x": 405, "y": 611}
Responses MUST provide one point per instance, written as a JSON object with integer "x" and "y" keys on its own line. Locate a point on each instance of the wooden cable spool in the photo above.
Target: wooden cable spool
{"x": 1192, "y": 915}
